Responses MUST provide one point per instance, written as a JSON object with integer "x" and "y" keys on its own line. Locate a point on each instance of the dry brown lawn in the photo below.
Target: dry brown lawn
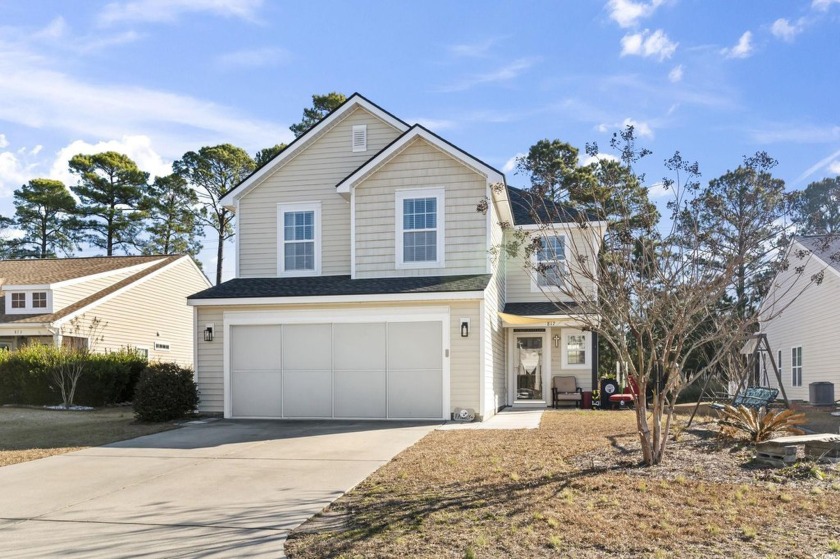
{"x": 32, "y": 433}
{"x": 574, "y": 488}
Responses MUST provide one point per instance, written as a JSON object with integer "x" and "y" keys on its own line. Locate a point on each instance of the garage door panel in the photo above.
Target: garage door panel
{"x": 307, "y": 393}
{"x": 414, "y": 345}
{"x": 414, "y": 393}
{"x": 255, "y": 347}
{"x": 360, "y": 394}
{"x": 359, "y": 346}
{"x": 307, "y": 347}
{"x": 256, "y": 393}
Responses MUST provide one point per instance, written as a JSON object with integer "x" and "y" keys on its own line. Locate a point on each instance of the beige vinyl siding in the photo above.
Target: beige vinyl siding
{"x": 520, "y": 276}
{"x": 209, "y": 365}
{"x": 464, "y": 352}
{"x": 806, "y": 317}
{"x": 494, "y": 350}
{"x": 583, "y": 376}
{"x": 421, "y": 165}
{"x": 310, "y": 176}
{"x": 154, "y": 309}
{"x": 69, "y": 294}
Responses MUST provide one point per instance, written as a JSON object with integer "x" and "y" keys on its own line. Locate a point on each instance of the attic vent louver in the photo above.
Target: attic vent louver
{"x": 360, "y": 137}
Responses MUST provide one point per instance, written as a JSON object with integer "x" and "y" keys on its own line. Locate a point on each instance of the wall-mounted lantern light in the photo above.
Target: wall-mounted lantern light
{"x": 465, "y": 327}
{"x": 556, "y": 339}
{"x": 208, "y": 333}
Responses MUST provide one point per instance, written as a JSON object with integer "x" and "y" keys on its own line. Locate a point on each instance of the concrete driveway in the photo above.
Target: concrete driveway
{"x": 219, "y": 489}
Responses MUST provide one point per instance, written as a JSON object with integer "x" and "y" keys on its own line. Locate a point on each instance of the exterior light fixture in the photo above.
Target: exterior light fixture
{"x": 465, "y": 327}
{"x": 208, "y": 333}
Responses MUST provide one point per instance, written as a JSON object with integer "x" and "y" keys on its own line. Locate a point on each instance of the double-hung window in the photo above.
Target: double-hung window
{"x": 796, "y": 366}
{"x": 574, "y": 349}
{"x": 420, "y": 231}
{"x": 18, "y": 300}
{"x": 299, "y": 239}
{"x": 551, "y": 262}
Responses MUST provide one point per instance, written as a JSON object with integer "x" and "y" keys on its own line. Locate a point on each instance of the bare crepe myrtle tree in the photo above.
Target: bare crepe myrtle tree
{"x": 649, "y": 293}
{"x": 70, "y": 361}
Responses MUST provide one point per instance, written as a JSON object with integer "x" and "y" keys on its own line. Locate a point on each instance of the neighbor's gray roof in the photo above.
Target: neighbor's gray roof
{"x": 340, "y": 285}
{"x": 542, "y": 308}
{"x": 54, "y": 270}
{"x": 532, "y": 209}
{"x": 826, "y": 247}
{"x": 82, "y": 303}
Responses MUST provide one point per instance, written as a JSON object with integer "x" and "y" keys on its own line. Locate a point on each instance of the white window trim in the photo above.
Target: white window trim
{"x": 564, "y": 356}
{"x": 314, "y": 207}
{"x": 799, "y": 367}
{"x": 400, "y": 196}
{"x": 363, "y": 146}
{"x": 27, "y": 300}
{"x": 535, "y": 285}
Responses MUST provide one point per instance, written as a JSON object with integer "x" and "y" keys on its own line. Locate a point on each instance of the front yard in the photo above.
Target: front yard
{"x": 572, "y": 488}
{"x": 32, "y": 433}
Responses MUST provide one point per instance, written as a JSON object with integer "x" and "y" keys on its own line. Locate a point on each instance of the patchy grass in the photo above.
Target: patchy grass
{"x": 574, "y": 487}
{"x": 32, "y": 433}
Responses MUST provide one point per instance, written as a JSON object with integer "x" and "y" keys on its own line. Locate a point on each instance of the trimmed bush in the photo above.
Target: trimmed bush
{"x": 165, "y": 391}
{"x": 108, "y": 378}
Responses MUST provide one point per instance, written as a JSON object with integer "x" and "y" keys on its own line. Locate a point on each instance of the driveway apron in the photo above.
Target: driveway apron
{"x": 218, "y": 489}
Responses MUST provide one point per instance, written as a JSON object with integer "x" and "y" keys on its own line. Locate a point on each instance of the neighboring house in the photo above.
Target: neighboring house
{"x": 366, "y": 286}
{"x": 802, "y": 329}
{"x": 139, "y": 301}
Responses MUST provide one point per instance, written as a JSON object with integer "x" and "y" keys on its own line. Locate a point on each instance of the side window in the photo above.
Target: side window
{"x": 299, "y": 239}
{"x": 796, "y": 366}
{"x": 420, "y": 232}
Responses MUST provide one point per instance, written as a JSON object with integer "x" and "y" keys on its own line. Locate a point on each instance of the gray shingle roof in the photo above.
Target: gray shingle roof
{"x": 531, "y": 209}
{"x": 826, "y": 247}
{"x": 340, "y": 285}
{"x": 542, "y": 308}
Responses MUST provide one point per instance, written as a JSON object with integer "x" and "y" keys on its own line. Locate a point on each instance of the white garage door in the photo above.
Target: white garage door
{"x": 376, "y": 370}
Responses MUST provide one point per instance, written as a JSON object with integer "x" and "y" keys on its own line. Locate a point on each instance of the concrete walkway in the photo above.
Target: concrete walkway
{"x": 221, "y": 489}
{"x": 508, "y": 418}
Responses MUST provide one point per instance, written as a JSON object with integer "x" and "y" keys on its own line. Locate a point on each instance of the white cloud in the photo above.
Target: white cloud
{"x": 823, "y": 5}
{"x": 627, "y": 13}
{"x": 253, "y": 58}
{"x": 36, "y": 150}
{"x": 3, "y": 141}
{"x": 510, "y": 164}
{"x": 138, "y": 148}
{"x": 834, "y": 167}
{"x": 435, "y": 124}
{"x": 658, "y": 190}
{"x": 647, "y": 44}
{"x": 676, "y": 74}
{"x": 743, "y": 49}
{"x": 55, "y": 29}
{"x": 590, "y": 159}
{"x": 642, "y": 129}
{"x": 505, "y": 73}
{"x": 826, "y": 162}
{"x": 14, "y": 172}
{"x": 168, "y": 11}
{"x": 783, "y": 29}
{"x": 797, "y": 133}
{"x": 472, "y": 50}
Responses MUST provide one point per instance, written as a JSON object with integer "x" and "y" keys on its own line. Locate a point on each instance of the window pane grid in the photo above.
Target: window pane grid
{"x": 39, "y": 300}
{"x": 420, "y": 230}
{"x": 299, "y": 241}
{"x": 551, "y": 262}
{"x": 796, "y": 366}
{"x": 576, "y": 350}
{"x": 18, "y": 300}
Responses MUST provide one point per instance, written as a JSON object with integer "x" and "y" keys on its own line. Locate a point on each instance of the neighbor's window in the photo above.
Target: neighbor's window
{"x": 39, "y": 300}
{"x": 779, "y": 357}
{"x": 298, "y": 239}
{"x": 18, "y": 300}
{"x": 576, "y": 349}
{"x": 420, "y": 228}
{"x": 796, "y": 366}
{"x": 551, "y": 261}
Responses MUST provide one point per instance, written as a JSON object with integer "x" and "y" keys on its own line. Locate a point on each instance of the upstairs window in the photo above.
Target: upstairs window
{"x": 796, "y": 366}
{"x": 419, "y": 229}
{"x": 299, "y": 239}
{"x": 18, "y": 300}
{"x": 39, "y": 300}
{"x": 551, "y": 262}
{"x": 360, "y": 137}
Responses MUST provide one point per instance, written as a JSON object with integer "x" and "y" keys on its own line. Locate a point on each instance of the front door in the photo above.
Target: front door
{"x": 529, "y": 363}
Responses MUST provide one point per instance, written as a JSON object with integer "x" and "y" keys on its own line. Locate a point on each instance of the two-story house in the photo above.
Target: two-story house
{"x": 366, "y": 285}
{"x": 121, "y": 301}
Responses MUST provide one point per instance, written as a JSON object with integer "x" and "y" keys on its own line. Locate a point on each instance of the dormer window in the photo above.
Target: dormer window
{"x": 39, "y": 300}
{"x": 360, "y": 137}
{"x": 18, "y": 300}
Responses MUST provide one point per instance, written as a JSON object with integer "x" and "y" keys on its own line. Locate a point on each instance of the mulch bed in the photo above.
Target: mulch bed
{"x": 575, "y": 488}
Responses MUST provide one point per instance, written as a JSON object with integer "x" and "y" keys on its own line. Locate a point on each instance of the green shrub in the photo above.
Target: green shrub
{"x": 108, "y": 378}
{"x": 165, "y": 391}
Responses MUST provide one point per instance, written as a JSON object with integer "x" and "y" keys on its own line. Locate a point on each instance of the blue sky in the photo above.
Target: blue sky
{"x": 714, "y": 79}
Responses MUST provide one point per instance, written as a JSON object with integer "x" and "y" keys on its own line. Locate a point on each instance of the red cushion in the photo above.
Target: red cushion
{"x": 622, "y": 398}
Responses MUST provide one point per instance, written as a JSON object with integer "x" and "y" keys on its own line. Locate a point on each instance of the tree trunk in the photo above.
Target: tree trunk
{"x": 220, "y": 251}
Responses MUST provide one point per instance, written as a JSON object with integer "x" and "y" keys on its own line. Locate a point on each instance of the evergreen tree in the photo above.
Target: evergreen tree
{"x": 172, "y": 225}
{"x": 46, "y": 213}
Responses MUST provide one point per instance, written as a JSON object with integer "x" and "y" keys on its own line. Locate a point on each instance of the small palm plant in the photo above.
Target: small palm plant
{"x": 759, "y": 425}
